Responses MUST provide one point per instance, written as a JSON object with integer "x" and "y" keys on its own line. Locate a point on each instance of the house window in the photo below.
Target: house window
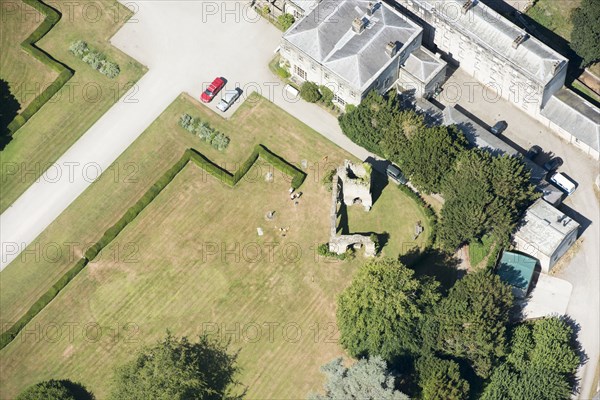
{"x": 300, "y": 58}
{"x": 326, "y": 75}
{"x": 300, "y": 72}
{"x": 339, "y": 100}
{"x": 313, "y": 67}
{"x": 353, "y": 94}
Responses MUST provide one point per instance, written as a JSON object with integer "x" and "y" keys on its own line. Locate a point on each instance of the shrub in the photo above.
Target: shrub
{"x": 326, "y": 95}
{"x": 309, "y": 91}
{"x": 328, "y": 179}
{"x": 94, "y": 58}
{"x": 220, "y": 142}
{"x": 282, "y": 72}
{"x": 323, "y": 251}
{"x": 286, "y": 20}
{"x": 185, "y": 121}
{"x": 79, "y": 48}
{"x": 110, "y": 69}
{"x": 205, "y": 132}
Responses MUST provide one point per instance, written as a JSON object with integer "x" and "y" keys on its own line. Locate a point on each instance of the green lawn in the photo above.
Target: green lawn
{"x": 75, "y": 108}
{"x": 394, "y": 214}
{"x": 479, "y": 250}
{"x": 554, "y": 15}
{"x": 169, "y": 268}
{"x": 23, "y": 73}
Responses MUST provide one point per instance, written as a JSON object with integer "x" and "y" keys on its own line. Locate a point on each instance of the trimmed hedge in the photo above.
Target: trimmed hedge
{"x": 231, "y": 180}
{"x": 13, "y": 331}
{"x": 137, "y": 208}
{"x": 111, "y": 233}
{"x": 52, "y": 17}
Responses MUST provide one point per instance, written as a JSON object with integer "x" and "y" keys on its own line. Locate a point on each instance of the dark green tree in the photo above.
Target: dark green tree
{"x": 484, "y": 194}
{"x": 381, "y": 311}
{"x": 309, "y": 91}
{"x": 56, "y": 390}
{"x": 429, "y": 154}
{"x": 470, "y": 323}
{"x": 541, "y": 363}
{"x": 367, "y": 379}
{"x": 585, "y": 37}
{"x": 286, "y": 20}
{"x": 178, "y": 369}
{"x": 440, "y": 379}
{"x": 326, "y": 95}
{"x": 368, "y": 123}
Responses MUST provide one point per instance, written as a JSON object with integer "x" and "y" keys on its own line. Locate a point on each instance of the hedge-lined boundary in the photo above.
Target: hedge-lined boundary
{"x": 52, "y": 17}
{"x": 111, "y": 233}
{"x": 231, "y": 180}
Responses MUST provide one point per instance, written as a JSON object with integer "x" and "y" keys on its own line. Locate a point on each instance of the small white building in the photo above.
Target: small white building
{"x": 546, "y": 234}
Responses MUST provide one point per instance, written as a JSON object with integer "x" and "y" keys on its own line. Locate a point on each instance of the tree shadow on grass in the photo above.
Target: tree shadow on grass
{"x": 9, "y": 109}
{"x": 78, "y": 391}
{"x": 435, "y": 263}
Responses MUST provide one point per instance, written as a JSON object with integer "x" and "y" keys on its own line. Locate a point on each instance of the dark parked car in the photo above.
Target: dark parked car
{"x": 499, "y": 127}
{"x": 396, "y": 175}
{"x": 533, "y": 152}
{"x": 553, "y": 164}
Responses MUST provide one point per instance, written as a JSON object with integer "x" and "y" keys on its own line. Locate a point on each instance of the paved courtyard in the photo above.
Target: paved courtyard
{"x": 185, "y": 45}
{"x": 582, "y": 270}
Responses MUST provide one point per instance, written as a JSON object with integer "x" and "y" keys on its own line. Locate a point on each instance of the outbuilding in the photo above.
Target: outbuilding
{"x": 545, "y": 233}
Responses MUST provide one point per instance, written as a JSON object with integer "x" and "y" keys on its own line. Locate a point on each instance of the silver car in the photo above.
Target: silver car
{"x": 228, "y": 99}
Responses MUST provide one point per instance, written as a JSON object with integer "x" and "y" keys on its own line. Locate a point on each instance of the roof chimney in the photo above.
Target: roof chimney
{"x": 358, "y": 25}
{"x": 371, "y": 8}
{"x": 520, "y": 39}
{"x": 391, "y": 49}
{"x": 467, "y": 6}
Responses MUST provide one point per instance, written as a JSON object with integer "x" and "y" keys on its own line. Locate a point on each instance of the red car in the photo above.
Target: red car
{"x": 212, "y": 90}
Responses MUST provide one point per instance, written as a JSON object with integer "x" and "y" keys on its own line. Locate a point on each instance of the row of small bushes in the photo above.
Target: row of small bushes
{"x": 204, "y": 131}
{"x": 64, "y": 73}
{"x": 133, "y": 211}
{"x": 95, "y": 59}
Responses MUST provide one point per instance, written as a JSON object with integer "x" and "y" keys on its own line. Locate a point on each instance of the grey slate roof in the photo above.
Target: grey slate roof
{"x": 496, "y": 33}
{"x": 325, "y": 34}
{"x": 423, "y": 65}
{"x": 575, "y": 115}
{"x": 545, "y": 227}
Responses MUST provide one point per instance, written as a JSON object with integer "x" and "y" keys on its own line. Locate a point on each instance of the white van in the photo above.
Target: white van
{"x": 563, "y": 182}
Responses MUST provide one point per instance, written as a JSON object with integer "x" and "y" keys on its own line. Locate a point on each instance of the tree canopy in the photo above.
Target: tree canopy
{"x": 585, "y": 38}
{"x": 367, "y": 379}
{"x": 177, "y": 369}
{"x": 440, "y": 379}
{"x": 484, "y": 194}
{"x": 428, "y": 155}
{"x": 470, "y": 323}
{"x": 541, "y": 363}
{"x": 380, "y": 312}
{"x": 56, "y": 390}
